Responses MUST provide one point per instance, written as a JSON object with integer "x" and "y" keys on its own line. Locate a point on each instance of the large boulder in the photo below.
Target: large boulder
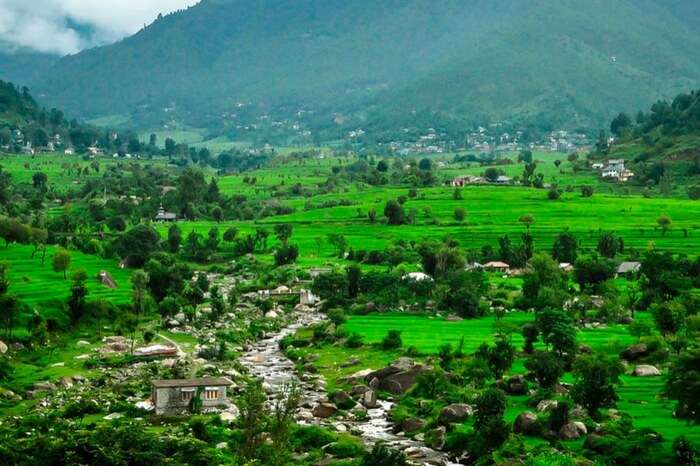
{"x": 456, "y": 412}
{"x": 436, "y": 438}
{"x": 324, "y": 410}
{"x": 525, "y": 423}
{"x": 635, "y": 352}
{"x": 516, "y": 385}
{"x": 412, "y": 424}
{"x": 343, "y": 400}
{"x": 44, "y": 387}
{"x": 397, "y": 377}
{"x": 572, "y": 431}
{"x": 646, "y": 370}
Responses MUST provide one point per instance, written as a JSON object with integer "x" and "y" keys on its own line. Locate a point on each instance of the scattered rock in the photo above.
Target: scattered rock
{"x": 359, "y": 389}
{"x": 340, "y": 397}
{"x": 546, "y": 405}
{"x": 58, "y": 364}
{"x": 351, "y": 362}
{"x": 231, "y": 414}
{"x": 357, "y": 376}
{"x": 342, "y": 428}
{"x": 412, "y": 424}
{"x": 82, "y": 343}
{"x": 646, "y": 370}
{"x": 324, "y": 410}
{"x": 436, "y": 438}
{"x": 271, "y": 315}
{"x": 585, "y": 349}
{"x": 221, "y": 446}
{"x": 3, "y": 347}
{"x": 635, "y": 352}
{"x": 112, "y": 416}
{"x": 525, "y": 423}
{"x": 369, "y": 399}
{"x": 456, "y": 412}
{"x": 66, "y": 382}
{"x": 572, "y": 431}
{"x": 44, "y": 387}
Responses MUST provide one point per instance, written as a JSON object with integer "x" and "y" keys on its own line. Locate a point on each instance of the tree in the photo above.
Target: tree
{"x": 587, "y": 191}
{"x": 394, "y": 213}
{"x": 595, "y": 379}
{"x": 527, "y": 220}
{"x": 669, "y": 316}
{"x": 620, "y": 124}
{"x": 591, "y": 272}
{"x": 543, "y": 273}
{"x": 39, "y": 181}
{"x": 169, "y": 147}
{"x": 283, "y": 231}
{"x": 382, "y": 166}
{"x": 460, "y": 214}
{"x": 609, "y": 245}
{"x": 174, "y": 238}
{"x": 61, "y": 262}
{"x": 217, "y": 214}
{"x": 252, "y": 419}
{"x": 491, "y": 174}
{"x": 339, "y": 243}
{"x": 683, "y": 384}
{"x": 9, "y": 310}
{"x": 499, "y": 357}
{"x": 664, "y": 221}
{"x": 138, "y": 243}
{"x": 286, "y": 254}
{"x": 530, "y": 334}
{"x": 139, "y": 282}
{"x": 490, "y": 404}
{"x": 558, "y": 331}
{"x": 425, "y": 165}
{"x": 565, "y": 248}
{"x": 230, "y": 234}
{"x": 129, "y": 323}
{"x": 546, "y": 367}
{"x": 354, "y": 274}
{"x": 78, "y": 293}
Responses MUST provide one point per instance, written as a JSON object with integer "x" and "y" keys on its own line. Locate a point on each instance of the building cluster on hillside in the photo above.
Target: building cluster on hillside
{"x": 614, "y": 170}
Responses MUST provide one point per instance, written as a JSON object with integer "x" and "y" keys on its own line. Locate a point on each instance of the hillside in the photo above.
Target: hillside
{"x": 382, "y": 65}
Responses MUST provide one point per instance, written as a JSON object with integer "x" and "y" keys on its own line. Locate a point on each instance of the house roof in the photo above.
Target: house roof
{"x": 203, "y": 382}
{"x": 496, "y": 265}
{"x": 627, "y": 267}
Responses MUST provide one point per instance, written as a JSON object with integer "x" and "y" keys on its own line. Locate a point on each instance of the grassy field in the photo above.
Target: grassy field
{"x": 41, "y": 288}
{"x": 639, "y": 396}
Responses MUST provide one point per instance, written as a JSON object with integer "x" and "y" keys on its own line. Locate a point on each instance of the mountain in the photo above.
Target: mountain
{"x": 24, "y": 66}
{"x": 383, "y": 64}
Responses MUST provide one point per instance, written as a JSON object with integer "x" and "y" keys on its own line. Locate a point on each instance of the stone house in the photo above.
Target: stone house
{"x": 173, "y": 396}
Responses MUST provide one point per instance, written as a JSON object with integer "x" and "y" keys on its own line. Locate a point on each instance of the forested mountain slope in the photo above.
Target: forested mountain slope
{"x": 383, "y": 64}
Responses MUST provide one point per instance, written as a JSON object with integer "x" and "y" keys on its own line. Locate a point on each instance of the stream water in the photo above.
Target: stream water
{"x": 266, "y": 361}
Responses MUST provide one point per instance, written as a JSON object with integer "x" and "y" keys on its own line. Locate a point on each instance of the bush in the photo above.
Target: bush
{"x": 392, "y": 340}
{"x": 310, "y": 437}
{"x": 337, "y": 316}
{"x": 383, "y": 456}
{"x": 346, "y": 448}
{"x": 355, "y": 340}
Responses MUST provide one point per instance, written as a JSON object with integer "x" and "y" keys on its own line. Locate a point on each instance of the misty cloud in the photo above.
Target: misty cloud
{"x": 68, "y": 26}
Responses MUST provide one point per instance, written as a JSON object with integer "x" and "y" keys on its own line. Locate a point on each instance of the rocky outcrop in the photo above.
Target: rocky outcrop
{"x": 646, "y": 370}
{"x": 397, "y": 377}
{"x": 525, "y": 423}
{"x": 456, "y": 412}
{"x": 635, "y": 352}
{"x": 546, "y": 405}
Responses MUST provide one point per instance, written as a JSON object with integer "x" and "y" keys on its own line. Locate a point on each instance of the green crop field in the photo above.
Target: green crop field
{"x": 639, "y": 396}
{"x": 42, "y": 289}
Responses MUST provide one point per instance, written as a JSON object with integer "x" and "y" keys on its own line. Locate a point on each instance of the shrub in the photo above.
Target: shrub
{"x": 392, "y": 340}
{"x": 337, "y": 316}
{"x": 381, "y": 455}
{"x": 355, "y": 340}
{"x": 346, "y": 448}
{"x": 310, "y": 437}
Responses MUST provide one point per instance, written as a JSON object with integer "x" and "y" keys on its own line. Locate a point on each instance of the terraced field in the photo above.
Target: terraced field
{"x": 41, "y": 288}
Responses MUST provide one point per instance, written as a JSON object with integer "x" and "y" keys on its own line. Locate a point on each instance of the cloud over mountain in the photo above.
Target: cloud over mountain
{"x": 68, "y": 26}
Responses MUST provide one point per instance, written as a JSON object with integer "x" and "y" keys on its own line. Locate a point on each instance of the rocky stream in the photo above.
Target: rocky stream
{"x": 266, "y": 360}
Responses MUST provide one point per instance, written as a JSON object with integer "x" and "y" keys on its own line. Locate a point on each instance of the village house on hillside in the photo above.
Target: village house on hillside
{"x": 173, "y": 396}
{"x": 464, "y": 180}
{"x": 628, "y": 268}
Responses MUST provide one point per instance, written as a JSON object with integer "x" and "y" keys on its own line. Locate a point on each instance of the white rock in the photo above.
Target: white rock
{"x": 3, "y": 347}
{"x": 112, "y": 416}
{"x": 82, "y": 343}
{"x": 646, "y": 370}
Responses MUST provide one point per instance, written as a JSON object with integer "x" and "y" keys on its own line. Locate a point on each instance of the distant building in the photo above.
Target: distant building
{"x": 163, "y": 216}
{"x": 497, "y": 266}
{"x": 464, "y": 180}
{"x": 503, "y": 180}
{"x": 417, "y": 277}
{"x": 597, "y": 166}
{"x": 174, "y": 396}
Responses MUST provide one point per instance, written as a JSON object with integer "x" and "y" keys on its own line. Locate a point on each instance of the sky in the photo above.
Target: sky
{"x": 68, "y": 26}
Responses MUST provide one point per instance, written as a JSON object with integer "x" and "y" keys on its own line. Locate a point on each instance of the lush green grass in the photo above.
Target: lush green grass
{"x": 639, "y": 396}
{"x": 39, "y": 287}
